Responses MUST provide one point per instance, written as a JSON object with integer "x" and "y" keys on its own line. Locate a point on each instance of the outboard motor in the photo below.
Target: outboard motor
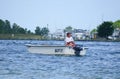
{"x": 77, "y": 49}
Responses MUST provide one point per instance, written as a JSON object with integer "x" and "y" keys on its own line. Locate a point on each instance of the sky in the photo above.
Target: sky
{"x": 58, "y": 14}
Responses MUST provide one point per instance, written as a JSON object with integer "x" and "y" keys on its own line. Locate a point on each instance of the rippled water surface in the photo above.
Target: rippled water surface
{"x": 102, "y": 61}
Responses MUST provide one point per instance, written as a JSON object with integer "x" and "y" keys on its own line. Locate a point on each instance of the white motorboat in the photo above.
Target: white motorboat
{"x": 55, "y": 49}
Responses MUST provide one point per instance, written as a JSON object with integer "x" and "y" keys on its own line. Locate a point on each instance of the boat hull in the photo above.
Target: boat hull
{"x": 54, "y": 49}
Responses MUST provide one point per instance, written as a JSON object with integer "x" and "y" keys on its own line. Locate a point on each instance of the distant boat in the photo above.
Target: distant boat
{"x": 55, "y": 50}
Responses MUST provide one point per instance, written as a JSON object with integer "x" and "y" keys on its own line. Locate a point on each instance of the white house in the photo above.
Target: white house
{"x": 116, "y": 33}
{"x": 59, "y": 34}
{"x": 81, "y": 34}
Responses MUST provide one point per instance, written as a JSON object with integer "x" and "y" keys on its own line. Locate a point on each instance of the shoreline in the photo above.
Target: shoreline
{"x": 38, "y": 37}
{"x": 63, "y": 40}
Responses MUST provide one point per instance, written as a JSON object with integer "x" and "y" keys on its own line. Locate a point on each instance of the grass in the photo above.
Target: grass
{"x": 20, "y": 36}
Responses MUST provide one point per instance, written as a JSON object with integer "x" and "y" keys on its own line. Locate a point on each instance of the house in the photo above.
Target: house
{"x": 59, "y": 34}
{"x": 93, "y": 35}
{"x": 77, "y": 34}
{"x": 116, "y": 33}
{"x": 81, "y": 34}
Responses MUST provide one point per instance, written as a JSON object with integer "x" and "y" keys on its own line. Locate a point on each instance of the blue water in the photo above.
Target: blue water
{"x": 102, "y": 61}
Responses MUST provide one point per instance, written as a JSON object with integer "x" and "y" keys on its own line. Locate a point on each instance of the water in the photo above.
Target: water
{"x": 102, "y": 61}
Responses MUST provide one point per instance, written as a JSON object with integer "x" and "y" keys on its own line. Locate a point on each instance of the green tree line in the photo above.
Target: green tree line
{"x": 107, "y": 28}
{"x": 7, "y": 28}
{"x": 41, "y": 31}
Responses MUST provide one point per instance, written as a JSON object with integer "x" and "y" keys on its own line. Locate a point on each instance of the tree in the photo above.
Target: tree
{"x": 29, "y": 32}
{"x": 16, "y": 29}
{"x": 94, "y": 31}
{"x": 68, "y": 29}
{"x": 44, "y": 31}
{"x": 41, "y": 31}
{"x": 105, "y": 29}
{"x": 38, "y": 30}
{"x": 116, "y": 24}
{"x": 7, "y": 27}
{"x": 2, "y": 25}
{"x": 21, "y": 30}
